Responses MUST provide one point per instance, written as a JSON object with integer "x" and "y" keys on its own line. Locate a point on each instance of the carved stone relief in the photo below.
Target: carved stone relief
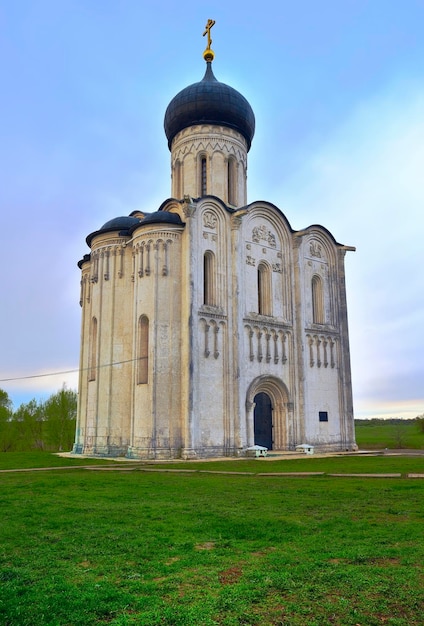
{"x": 315, "y": 249}
{"x": 210, "y": 220}
{"x": 261, "y": 233}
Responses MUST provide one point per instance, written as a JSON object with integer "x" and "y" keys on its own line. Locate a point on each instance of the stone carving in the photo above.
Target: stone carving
{"x": 250, "y": 261}
{"x": 315, "y": 249}
{"x": 268, "y": 351}
{"x": 275, "y": 341}
{"x": 188, "y": 207}
{"x": 207, "y": 351}
{"x": 121, "y": 262}
{"x": 165, "y": 269}
{"x": 214, "y": 326}
{"x": 216, "y": 350}
{"x": 236, "y": 221}
{"x": 106, "y": 256}
{"x": 316, "y": 342}
{"x": 277, "y": 267}
{"x": 210, "y": 220}
{"x": 261, "y": 233}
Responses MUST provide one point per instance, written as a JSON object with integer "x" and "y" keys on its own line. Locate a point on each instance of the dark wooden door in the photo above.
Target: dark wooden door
{"x": 262, "y": 419}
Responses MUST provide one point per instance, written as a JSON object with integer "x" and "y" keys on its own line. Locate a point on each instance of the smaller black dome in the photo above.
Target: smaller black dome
{"x": 121, "y": 224}
{"x": 118, "y": 223}
{"x": 126, "y": 225}
{"x": 209, "y": 102}
{"x": 158, "y": 217}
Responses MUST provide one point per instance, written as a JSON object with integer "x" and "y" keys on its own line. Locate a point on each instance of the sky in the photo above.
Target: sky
{"x": 337, "y": 89}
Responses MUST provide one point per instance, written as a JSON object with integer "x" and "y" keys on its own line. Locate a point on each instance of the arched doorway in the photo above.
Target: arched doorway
{"x": 262, "y": 420}
{"x": 269, "y": 414}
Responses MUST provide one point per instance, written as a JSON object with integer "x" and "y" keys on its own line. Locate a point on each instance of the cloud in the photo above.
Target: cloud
{"x": 365, "y": 185}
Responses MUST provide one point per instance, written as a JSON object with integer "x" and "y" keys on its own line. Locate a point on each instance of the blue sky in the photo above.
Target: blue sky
{"x": 338, "y": 93}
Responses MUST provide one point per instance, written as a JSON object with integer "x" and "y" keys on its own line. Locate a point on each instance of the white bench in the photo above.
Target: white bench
{"x": 306, "y": 448}
{"x": 257, "y": 451}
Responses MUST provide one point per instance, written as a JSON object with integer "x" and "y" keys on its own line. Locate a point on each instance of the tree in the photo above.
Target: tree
{"x": 420, "y": 422}
{"x": 6, "y": 424}
{"x": 29, "y": 426}
{"x": 399, "y": 432}
{"x": 59, "y": 413}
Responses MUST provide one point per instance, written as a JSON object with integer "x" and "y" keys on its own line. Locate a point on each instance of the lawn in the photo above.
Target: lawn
{"x": 380, "y": 434}
{"x": 90, "y": 547}
{"x": 24, "y": 460}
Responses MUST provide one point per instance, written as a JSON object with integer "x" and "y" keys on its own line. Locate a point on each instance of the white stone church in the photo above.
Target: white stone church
{"x": 210, "y": 325}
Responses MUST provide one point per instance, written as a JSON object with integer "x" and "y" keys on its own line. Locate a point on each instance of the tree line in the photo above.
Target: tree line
{"x": 393, "y": 421}
{"x": 38, "y": 425}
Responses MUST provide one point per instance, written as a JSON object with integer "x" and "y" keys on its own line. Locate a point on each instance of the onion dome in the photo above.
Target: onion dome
{"x": 121, "y": 224}
{"x": 209, "y": 102}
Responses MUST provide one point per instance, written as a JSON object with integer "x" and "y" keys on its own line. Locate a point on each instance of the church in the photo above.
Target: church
{"x": 209, "y": 325}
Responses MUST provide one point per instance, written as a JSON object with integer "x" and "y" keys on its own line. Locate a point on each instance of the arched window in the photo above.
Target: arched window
{"x": 177, "y": 180}
{"x": 209, "y": 295}
{"x": 203, "y": 176}
{"x": 92, "y": 365}
{"x": 231, "y": 181}
{"x": 264, "y": 289}
{"x": 317, "y": 300}
{"x": 143, "y": 350}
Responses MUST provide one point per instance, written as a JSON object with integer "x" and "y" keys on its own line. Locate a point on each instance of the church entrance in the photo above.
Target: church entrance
{"x": 269, "y": 413}
{"x": 262, "y": 420}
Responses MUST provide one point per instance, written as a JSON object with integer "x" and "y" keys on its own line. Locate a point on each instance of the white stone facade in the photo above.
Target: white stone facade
{"x": 209, "y": 334}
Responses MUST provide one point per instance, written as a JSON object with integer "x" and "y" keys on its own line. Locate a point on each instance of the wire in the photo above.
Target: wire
{"x": 84, "y": 369}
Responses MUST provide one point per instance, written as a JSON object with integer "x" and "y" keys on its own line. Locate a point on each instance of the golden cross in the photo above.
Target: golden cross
{"x": 208, "y": 27}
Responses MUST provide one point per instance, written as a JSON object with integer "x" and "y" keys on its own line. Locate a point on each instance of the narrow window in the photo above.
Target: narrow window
{"x": 92, "y": 366}
{"x": 317, "y": 301}
{"x": 264, "y": 290}
{"x": 209, "y": 278}
{"x": 203, "y": 177}
{"x": 177, "y": 175}
{"x": 231, "y": 181}
{"x": 323, "y": 416}
{"x": 143, "y": 350}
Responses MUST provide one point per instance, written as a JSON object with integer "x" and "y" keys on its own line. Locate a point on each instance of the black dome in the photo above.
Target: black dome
{"x": 209, "y": 102}
{"x": 158, "y": 217}
{"x": 121, "y": 224}
{"x": 118, "y": 223}
{"x": 126, "y": 225}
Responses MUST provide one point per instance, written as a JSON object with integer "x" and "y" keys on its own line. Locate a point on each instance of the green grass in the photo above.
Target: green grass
{"x": 337, "y": 464}
{"x": 380, "y": 434}
{"x": 16, "y": 460}
{"x": 91, "y": 547}
{"x": 331, "y": 465}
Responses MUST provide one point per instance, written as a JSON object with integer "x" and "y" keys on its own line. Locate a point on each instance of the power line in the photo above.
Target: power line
{"x": 8, "y": 380}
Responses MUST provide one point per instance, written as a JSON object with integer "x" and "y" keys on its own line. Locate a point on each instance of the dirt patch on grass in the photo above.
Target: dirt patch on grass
{"x": 264, "y": 551}
{"x": 383, "y": 561}
{"x": 172, "y": 560}
{"x": 231, "y": 575}
{"x": 207, "y": 545}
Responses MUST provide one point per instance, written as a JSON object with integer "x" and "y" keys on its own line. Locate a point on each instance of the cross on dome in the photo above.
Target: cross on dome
{"x": 209, "y": 54}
